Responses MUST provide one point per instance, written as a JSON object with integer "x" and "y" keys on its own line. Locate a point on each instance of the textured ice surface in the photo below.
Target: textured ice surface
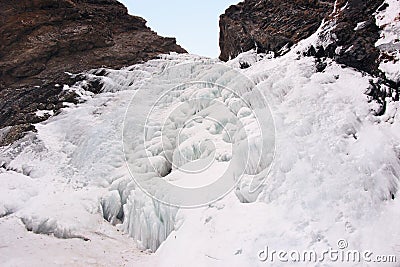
{"x": 334, "y": 175}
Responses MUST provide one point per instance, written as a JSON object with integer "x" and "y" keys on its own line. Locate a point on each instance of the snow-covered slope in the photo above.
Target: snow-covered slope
{"x": 278, "y": 155}
{"x": 334, "y": 176}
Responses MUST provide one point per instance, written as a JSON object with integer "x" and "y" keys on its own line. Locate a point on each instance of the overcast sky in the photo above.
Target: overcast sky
{"x": 193, "y": 23}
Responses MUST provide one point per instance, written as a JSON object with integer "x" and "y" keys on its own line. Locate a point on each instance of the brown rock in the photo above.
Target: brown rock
{"x": 41, "y": 39}
{"x": 269, "y": 25}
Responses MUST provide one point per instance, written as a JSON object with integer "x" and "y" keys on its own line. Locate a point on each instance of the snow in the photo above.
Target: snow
{"x": 106, "y": 247}
{"x": 333, "y": 177}
{"x": 249, "y": 58}
{"x": 43, "y": 113}
{"x": 184, "y": 160}
{"x": 15, "y": 190}
{"x": 360, "y": 25}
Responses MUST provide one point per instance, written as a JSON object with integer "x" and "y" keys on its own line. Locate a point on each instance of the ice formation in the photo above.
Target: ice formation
{"x": 328, "y": 169}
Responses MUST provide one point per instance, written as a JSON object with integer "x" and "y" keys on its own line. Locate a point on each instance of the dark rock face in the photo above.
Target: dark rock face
{"x": 355, "y": 34}
{"x": 40, "y": 40}
{"x": 269, "y": 25}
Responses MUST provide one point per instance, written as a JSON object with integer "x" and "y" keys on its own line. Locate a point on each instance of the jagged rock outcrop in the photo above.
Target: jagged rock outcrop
{"x": 40, "y": 40}
{"x": 352, "y": 35}
{"x": 269, "y": 25}
{"x": 348, "y": 35}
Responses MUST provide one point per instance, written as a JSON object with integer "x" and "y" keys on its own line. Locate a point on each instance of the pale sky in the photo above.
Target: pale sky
{"x": 193, "y": 23}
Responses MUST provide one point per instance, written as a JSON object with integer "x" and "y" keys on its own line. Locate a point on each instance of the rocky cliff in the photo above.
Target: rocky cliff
{"x": 41, "y": 40}
{"x": 349, "y": 32}
{"x": 269, "y": 25}
{"x": 352, "y": 33}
